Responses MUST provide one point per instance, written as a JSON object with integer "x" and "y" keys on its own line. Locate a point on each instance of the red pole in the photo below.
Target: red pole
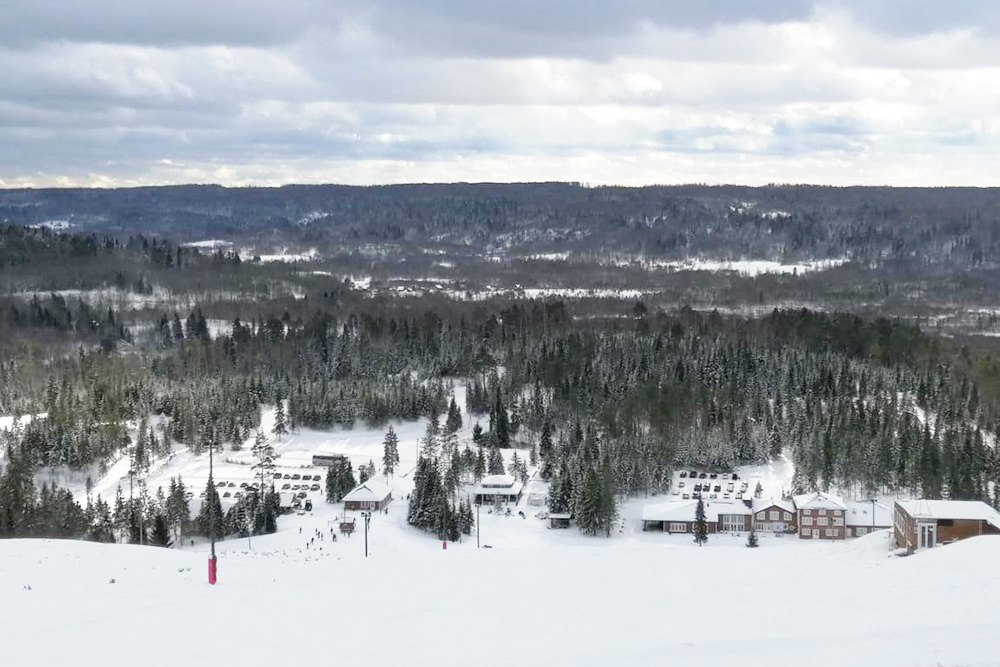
{"x": 212, "y": 569}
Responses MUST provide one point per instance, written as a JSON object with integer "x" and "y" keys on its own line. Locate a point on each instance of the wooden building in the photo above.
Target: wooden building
{"x": 924, "y": 524}
{"x": 497, "y": 488}
{"x": 372, "y": 495}
{"x": 821, "y": 516}
{"x": 721, "y": 516}
{"x": 774, "y": 516}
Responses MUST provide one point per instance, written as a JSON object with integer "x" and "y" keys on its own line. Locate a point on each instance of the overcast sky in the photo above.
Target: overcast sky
{"x": 132, "y": 92}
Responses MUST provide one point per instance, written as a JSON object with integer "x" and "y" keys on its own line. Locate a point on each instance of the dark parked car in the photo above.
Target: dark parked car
{"x": 296, "y": 476}
{"x": 314, "y": 487}
{"x": 285, "y": 487}
{"x": 702, "y": 476}
{"x": 683, "y": 474}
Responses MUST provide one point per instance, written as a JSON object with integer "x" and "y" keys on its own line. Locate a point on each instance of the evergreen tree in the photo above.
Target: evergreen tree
{"x": 752, "y": 539}
{"x": 263, "y": 453}
{"x": 280, "y": 428}
{"x": 453, "y": 422}
{"x": 390, "y": 451}
{"x": 210, "y": 518}
{"x": 700, "y": 524}
{"x": 495, "y": 464}
{"x": 160, "y": 534}
{"x": 339, "y": 480}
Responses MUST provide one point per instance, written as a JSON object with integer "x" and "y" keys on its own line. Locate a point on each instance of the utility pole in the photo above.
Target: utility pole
{"x": 212, "y": 562}
{"x": 367, "y": 516}
{"x": 477, "y": 524}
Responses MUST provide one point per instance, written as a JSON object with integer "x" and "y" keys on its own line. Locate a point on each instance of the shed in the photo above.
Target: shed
{"x": 559, "y": 520}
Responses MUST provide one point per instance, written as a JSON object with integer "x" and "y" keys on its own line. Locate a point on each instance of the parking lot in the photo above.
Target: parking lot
{"x": 295, "y": 487}
{"x": 691, "y": 484}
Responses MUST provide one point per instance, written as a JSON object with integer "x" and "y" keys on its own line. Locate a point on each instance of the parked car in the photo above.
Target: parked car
{"x": 286, "y": 486}
{"x": 729, "y": 487}
{"x": 302, "y": 494}
{"x": 702, "y": 475}
{"x": 683, "y": 474}
{"x": 713, "y": 496}
{"x": 232, "y": 484}
{"x": 693, "y": 474}
{"x": 296, "y": 487}
{"x": 680, "y": 485}
{"x": 277, "y": 475}
{"x": 238, "y": 494}
{"x": 713, "y": 476}
{"x": 717, "y": 488}
{"x": 243, "y": 485}
{"x": 226, "y": 494}
{"x": 220, "y": 484}
{"x": 296, "y": 476}
{"x": 314, "y": 487}
{"x": 686, "y": 496}
{"x": 735, "y": 476}
{"x": 308, "y": 506}
{"x": 676, "y": 492}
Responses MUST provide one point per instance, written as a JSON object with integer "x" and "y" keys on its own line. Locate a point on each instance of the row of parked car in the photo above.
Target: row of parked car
{"x": 694, "y": 474}
{"x": 296, "y": 477}
{"x": 288, "y": 486}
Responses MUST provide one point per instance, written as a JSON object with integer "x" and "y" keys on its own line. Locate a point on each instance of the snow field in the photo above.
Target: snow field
{"x": 830, "y": 604}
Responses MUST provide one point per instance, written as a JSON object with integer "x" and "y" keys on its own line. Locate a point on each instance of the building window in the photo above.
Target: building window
{"x": 822, "y": 512}
{"x": 761, "y": 516}
{"x": 822, "y": 521}
{"x": 838, "y": 522}
{"x": 831, "y": 532}
{"x": 787, "y": 516}
{"x": 859, "y": 531}
{"x": 807, "y": 521}
{"x": 774, "y": 514}
{"x": 678, "y": 528}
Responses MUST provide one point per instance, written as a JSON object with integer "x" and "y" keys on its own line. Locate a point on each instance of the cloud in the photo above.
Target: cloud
{"x": 637, "y": 91}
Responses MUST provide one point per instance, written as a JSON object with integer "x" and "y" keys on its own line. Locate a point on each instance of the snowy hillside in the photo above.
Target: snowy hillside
{"x": 831, "y": 604}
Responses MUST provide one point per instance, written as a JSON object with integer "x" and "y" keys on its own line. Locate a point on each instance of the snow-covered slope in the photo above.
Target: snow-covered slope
{"x": 627, "y": 604}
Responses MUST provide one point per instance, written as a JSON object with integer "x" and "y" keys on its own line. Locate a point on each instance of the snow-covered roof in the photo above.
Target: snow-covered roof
{"x": 817, "y": 500}
{"x": 497, "y": 481}
{"x": 512, "y": 489}
{"x": 761, "y": 504}
{"x": 561, "y": 515}
{"x": 859, "y": 513}
{"x": 970, "y": 510}
{"x": 684, "y": 510}
{"x": 371, "y": 490}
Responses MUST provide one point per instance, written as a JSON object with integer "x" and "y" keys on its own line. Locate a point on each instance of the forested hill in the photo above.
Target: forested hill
{"x": 957, "y": 225}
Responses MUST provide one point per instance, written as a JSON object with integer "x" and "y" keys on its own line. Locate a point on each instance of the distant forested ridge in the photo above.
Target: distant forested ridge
{"x": 868, "y": 224}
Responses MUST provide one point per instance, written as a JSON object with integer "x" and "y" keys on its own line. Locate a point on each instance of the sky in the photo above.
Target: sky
{"x": 115, "y": 93}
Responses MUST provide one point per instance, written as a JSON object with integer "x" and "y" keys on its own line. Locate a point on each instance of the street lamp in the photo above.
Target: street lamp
{"x": 367, "y": 516}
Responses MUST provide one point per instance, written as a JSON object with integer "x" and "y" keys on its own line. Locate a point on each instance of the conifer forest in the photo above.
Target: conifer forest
{"x": 119, "y": 343}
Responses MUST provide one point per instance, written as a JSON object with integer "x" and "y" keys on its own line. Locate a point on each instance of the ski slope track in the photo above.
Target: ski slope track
{"x": 609, "y": 603}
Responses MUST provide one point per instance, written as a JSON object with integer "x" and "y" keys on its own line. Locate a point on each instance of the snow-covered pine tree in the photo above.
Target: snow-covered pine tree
{"x": 280, "y": 428}
{"x": 390, "y": 452}
{"x": 495, "y": 463}
{"x": 453, "y": 422}
{"x": 752, "y": 539}
{"x": 700, "y": 524}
